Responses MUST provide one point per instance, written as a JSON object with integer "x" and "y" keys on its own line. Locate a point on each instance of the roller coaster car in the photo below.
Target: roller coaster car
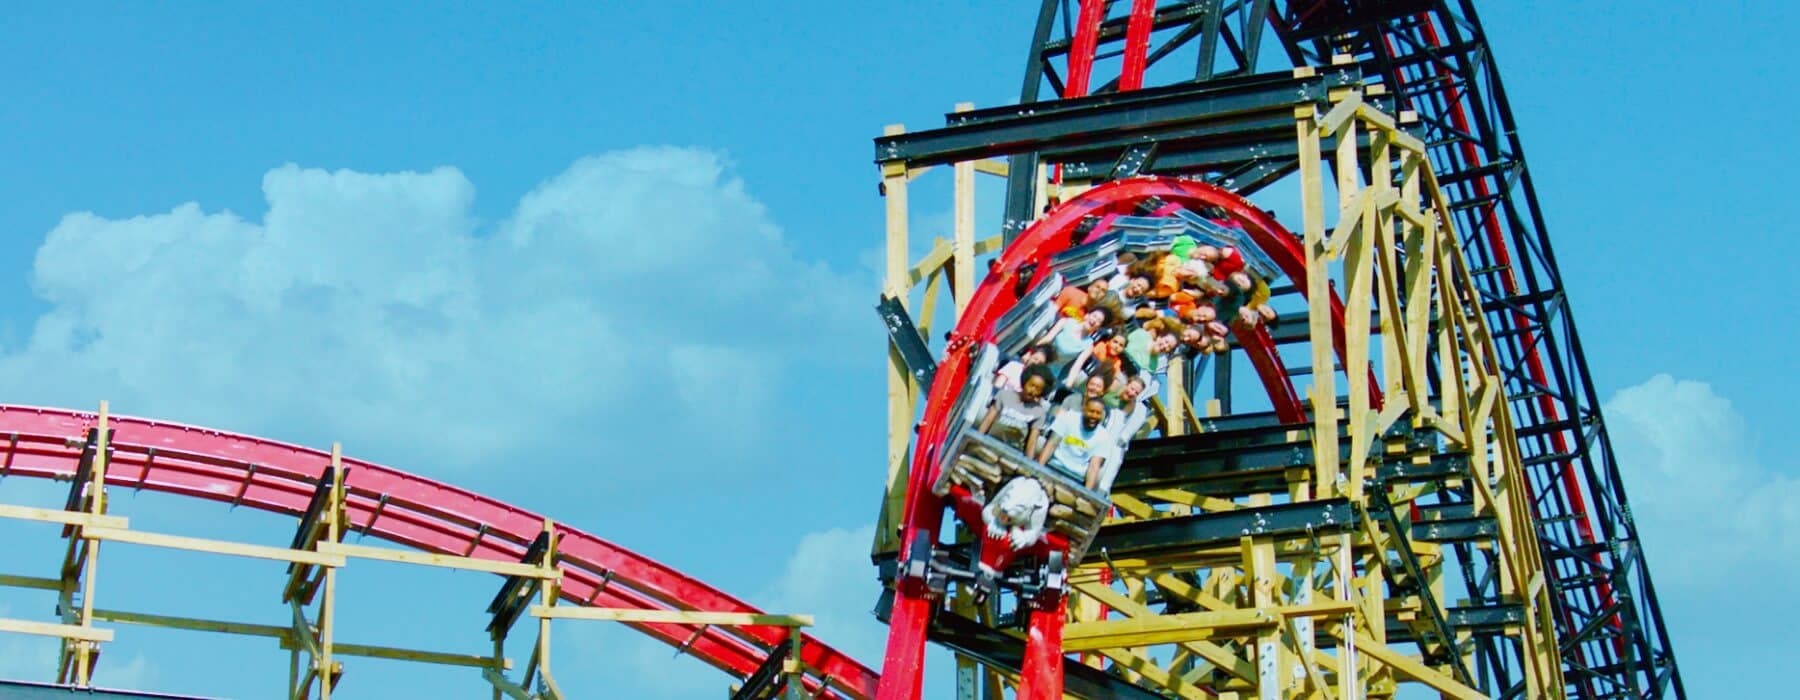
{"x": 980, "y": 465}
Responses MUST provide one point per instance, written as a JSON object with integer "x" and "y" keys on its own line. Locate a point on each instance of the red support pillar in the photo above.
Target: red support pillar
{"x": 1042, "y": 675}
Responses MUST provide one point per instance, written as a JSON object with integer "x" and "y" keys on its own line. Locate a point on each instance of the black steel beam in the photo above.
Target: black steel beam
{"x": 766, "y": 681}
{"x": 1489, "y": 618}
{"x": 905, "y": 336}
{"x": 1139, "y": 114}
{"x": 998, "y": 649}
{"x": 315, "y": 508}
{"x": 514, "y": 595}
{"x": 1441, "y": 466}
{"x": 84, "y": 470}
{"x": 27, "y": 690}
{"x": 1193, "y": 532}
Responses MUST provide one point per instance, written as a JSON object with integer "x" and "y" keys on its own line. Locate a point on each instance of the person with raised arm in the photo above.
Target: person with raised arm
{"x": 1070, "y": 336}
{"x": 1079, "y": 443}
{"x": 1015, "y": 417}
{"x": 1011, "y": 374}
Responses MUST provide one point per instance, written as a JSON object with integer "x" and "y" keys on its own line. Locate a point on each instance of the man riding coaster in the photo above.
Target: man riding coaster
{"x": 1081, "y": 444}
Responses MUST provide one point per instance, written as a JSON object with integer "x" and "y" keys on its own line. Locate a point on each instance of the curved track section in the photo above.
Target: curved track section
{"x": 1018, "y": 267}
{"x": 412, "y": 511}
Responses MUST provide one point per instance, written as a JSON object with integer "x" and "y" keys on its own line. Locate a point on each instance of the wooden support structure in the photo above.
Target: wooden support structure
{"x": 315, "y": 579}
{"x": 81, "y": 559}
{"x": 309, "y": 634}
{"x": 1253, "y": 594}
{"x": 1409, "y": 304}
{"x": 953, "y": 262}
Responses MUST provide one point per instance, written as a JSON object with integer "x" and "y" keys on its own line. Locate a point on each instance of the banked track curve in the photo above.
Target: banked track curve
{"x": 412, "y": 511}
{"x": 1022, "y": 263}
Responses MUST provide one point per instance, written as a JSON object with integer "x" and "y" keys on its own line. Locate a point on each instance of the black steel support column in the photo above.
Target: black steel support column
{"x": 1433, "y": 57}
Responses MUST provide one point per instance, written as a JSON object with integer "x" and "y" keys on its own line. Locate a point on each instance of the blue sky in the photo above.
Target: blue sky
{"x": 422, "y": 231}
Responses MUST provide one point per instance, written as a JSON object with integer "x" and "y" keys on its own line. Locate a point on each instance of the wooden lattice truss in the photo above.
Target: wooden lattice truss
{"x": 1357, "y": 608}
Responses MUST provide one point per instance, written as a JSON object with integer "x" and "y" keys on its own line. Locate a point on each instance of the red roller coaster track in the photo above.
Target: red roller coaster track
{"x": 1027, "y": 257}
{"x": 408, "y": 510}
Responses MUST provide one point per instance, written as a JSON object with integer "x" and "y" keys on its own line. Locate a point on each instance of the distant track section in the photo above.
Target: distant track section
{"x": 413, "y": 511}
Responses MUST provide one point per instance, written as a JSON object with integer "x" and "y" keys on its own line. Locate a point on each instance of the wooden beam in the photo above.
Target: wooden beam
{"x": 448, "y": 561}
{"x": 192, "y": 623}
{"x": 61, "y": 517}
{"x": 902, "y": 389}
{"x": 1188, "y": 627}
{"x": 1340, "y": 114}
{"x": 414, "y": 655}
{"x": 1318, "y": 294}
{"x": 962, "y": 245}
{"x": 42, "y": 584}
{"x": 930, "y": 263}
{"x": 51, "y": 629}
{"x": 196, "y": 544}
{"x": 993, "y": 166}
{"x": 1218, "y": 655}
{"x": 501, "y": 684}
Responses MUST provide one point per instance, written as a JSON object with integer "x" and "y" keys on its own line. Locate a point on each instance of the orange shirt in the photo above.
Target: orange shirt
{"x": 1167, "y": 282}
{"x": 1072, "y": 301}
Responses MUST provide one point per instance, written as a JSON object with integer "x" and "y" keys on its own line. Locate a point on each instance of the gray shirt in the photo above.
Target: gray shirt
{"x": 1016, "y": 414}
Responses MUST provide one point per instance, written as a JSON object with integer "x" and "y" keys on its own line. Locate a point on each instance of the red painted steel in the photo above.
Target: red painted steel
{"x": 1042, "y": 678}
{"x": 1028, "y": 257}
{"x": 1137, "y": 44}
{"x": 1081, "y": 50}
{"x": 408, "y": 510}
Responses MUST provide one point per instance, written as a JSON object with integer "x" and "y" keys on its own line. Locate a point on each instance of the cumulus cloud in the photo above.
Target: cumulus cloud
{"x": 26, "y": 657}
{"x": 136, "y": 674}
{"x": 829, "y": 577}
{"x": 376, "y": 308}
{"x": 1703, "y": 502}
{"x": 1718, "y": 528}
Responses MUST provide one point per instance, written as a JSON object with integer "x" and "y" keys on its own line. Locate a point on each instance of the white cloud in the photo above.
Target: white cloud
{"x": 829, "y": 577}
{"x": 136, "y": 674}
{"x": 715, "y": 382}
{"x": 1702, "y": 500}
{"x": 1719, "y": 531}
{"x": 375, "y": 309}
{"x": 26, "y": 657}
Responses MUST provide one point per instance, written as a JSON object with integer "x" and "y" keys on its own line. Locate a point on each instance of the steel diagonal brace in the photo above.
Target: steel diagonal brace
{"x": 905, "y": 336}
{"x": 1401, "y": 540}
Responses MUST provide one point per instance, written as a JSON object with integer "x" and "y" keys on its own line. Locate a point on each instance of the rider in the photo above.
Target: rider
{"x": 1080, "y": 444}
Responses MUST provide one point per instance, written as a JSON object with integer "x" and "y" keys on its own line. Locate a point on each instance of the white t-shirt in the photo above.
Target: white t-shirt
{"x": 1119, "y": 281}
{"x": 1128, "y": 420}
{"x": 1075, "y": 446}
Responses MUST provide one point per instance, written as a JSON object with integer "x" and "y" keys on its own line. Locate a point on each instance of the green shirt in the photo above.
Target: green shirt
{"x": 1137, "y": 348}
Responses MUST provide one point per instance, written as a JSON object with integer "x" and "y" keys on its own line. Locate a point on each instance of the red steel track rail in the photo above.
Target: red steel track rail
{"x": 412, "y": 511}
